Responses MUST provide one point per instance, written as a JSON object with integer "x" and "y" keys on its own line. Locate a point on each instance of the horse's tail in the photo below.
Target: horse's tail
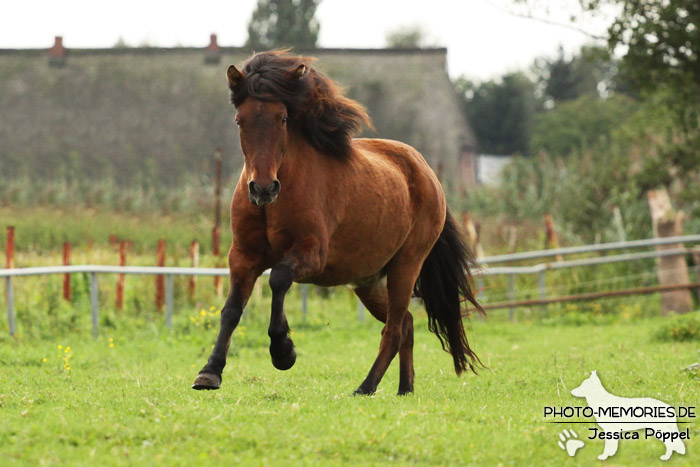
{"x": 444, "y": 283}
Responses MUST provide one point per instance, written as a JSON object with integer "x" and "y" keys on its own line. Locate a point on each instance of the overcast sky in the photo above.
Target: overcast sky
{"x": 483, "y": 41}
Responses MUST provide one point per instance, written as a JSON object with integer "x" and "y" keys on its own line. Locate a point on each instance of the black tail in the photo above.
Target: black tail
{"x": 444, "y": 283}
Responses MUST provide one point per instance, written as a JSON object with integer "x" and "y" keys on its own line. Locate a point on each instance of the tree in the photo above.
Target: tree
{"x": 661, "y": 40}
{"x": 407, "y": 37}
{"x": 579, "y": 124}
{"x": 501, "y": 112}
{"x": 283, "y": 23}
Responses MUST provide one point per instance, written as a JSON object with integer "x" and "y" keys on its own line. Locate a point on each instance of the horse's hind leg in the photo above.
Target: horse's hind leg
{"x": 376, "y": 299}
{"x": 401, "y": 275}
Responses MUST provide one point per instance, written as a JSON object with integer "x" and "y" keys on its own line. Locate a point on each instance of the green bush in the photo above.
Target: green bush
{"x": 680, "y": 328}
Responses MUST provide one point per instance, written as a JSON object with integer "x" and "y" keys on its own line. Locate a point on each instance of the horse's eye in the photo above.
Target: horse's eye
{"x": 284, "y": 120}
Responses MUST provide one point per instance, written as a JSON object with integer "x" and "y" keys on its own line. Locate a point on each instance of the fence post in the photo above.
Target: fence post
{"x": 10, "y": 305}
{"x": 10, "y": 248}
{"x": 671, "y": 270}
{"x": 511, "y": 295}
{"x": 160, "y": 293}
{"x": 551, "y": 241}
{"x": 9, "y": 290}
{"x": 169, "y": 292}
{"x": 66, "y": 277}
{"x": 120, "y": 277}
{"x": 542, "y": 284}
{"x": 94, "y": 285}
{"x": 360, "y": 311}
{"x": 194, "y": 256}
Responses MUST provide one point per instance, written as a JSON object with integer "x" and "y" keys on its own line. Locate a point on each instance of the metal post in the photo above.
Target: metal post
{"x": 304, "y": 300}
{"x": 479, "y": 285}
{"x": 360, "y": 311}
{"x": 169, "y": 300}
{"x": 542, "y": 285}
{"x": 10, "y": 305}
{"x": 511, "y": 295}
{"x": 94, "y": 302}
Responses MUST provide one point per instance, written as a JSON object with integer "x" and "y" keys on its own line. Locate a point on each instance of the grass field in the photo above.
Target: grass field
{"x": 126, "y": 397}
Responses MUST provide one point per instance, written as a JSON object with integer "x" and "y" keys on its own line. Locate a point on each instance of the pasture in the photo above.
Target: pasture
{"x": 126, "y": 397}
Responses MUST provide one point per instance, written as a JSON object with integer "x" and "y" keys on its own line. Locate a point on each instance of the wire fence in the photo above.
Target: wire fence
{"x": 511, "y": 298}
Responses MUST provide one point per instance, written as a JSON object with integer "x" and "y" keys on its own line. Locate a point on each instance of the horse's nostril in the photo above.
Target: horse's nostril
{"x": 254, "y": 188}
{"x": 274, "y": 187}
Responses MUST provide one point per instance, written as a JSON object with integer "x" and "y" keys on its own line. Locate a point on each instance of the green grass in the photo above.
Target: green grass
{"x": 131, "y": 403}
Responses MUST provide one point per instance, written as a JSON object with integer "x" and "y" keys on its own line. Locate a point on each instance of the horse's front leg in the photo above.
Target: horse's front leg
{"x": 244, "y": 272}
{"x": 301, "y": 263}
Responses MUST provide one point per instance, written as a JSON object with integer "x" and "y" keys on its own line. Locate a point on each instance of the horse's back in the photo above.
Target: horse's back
{"x": 423, "y": 184}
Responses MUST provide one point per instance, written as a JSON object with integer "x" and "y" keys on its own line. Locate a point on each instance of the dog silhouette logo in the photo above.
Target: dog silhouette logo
{"x": 621, "y": 418}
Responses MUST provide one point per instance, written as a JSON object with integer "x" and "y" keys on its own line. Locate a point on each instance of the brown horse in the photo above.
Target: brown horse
{"x": 317, "y": 206}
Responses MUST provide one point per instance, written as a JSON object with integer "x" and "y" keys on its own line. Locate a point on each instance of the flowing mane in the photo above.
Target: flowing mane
{"x": 315, "y": 104}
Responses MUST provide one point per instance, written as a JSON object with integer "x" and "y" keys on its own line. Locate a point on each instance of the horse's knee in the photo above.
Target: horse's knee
{"x": 281, "y": 278}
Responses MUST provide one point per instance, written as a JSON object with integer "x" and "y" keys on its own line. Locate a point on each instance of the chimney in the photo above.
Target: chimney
{"x": 57, "y": 53}
{"x": 213, "y": 43}
{"x": 213, "y": 51}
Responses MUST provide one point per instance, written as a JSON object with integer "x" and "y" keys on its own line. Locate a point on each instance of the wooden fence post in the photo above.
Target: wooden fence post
{"x": 10, "y": 248}
{"x": 671, "y": 270}
{"x": 66, "y": 277}
{"x": 472, "y": 233}
{"x": 160, "y": 280}
{"x": 120, "y": 277}
{"x": 551, "y": 241}
{"x": 9, "y": 288}
{"x": 194, "y": 256}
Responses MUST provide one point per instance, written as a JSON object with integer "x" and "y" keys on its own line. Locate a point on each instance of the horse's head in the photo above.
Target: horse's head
{"x": 262, "y": 127}
{"x": 274, "y": 87}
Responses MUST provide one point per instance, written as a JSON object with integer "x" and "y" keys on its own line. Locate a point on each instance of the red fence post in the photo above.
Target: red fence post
{"x": 160, "y": 279}
{"x": 10, "y": 248}
{"x": 66, "y": 277}
{"x": 194, "y": 255}
{"x": 120, "y": 278}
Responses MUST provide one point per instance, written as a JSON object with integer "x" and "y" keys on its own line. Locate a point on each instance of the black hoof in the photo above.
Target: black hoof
{"x": 404, "y": 392}
{"x": 207, "y": 381}
{"x": 362, "y": 391}
{"x": 285, "y": 362}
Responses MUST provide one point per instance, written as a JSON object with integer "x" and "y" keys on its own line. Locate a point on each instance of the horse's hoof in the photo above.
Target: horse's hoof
{"x": 207, "y": 381}
{"x": 361, "y": 391}
{"x": 404, "y": 392}
{"x": 286, "y": 362}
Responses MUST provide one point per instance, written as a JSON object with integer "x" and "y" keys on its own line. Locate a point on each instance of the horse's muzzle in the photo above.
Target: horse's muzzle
{"x": 260, "y": 196}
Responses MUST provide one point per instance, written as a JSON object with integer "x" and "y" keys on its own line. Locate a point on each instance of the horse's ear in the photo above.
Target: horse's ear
{"x": 234, "y": 76}
{"x": 300, "y": 71}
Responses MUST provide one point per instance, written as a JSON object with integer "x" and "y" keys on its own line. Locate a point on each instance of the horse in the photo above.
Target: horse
{"x": 315, "y": 205}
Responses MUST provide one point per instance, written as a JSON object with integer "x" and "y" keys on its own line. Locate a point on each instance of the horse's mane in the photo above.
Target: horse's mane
{"x": 316, "y": 105}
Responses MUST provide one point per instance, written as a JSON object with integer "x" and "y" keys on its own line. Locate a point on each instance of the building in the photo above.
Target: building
{"x": 145, "y": 115}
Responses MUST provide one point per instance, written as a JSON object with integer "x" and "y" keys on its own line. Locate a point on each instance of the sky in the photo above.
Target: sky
{"x": 483, "y": 40}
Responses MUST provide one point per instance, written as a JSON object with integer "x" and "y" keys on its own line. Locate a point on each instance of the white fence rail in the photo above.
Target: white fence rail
{"x": 509, "y": 271}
